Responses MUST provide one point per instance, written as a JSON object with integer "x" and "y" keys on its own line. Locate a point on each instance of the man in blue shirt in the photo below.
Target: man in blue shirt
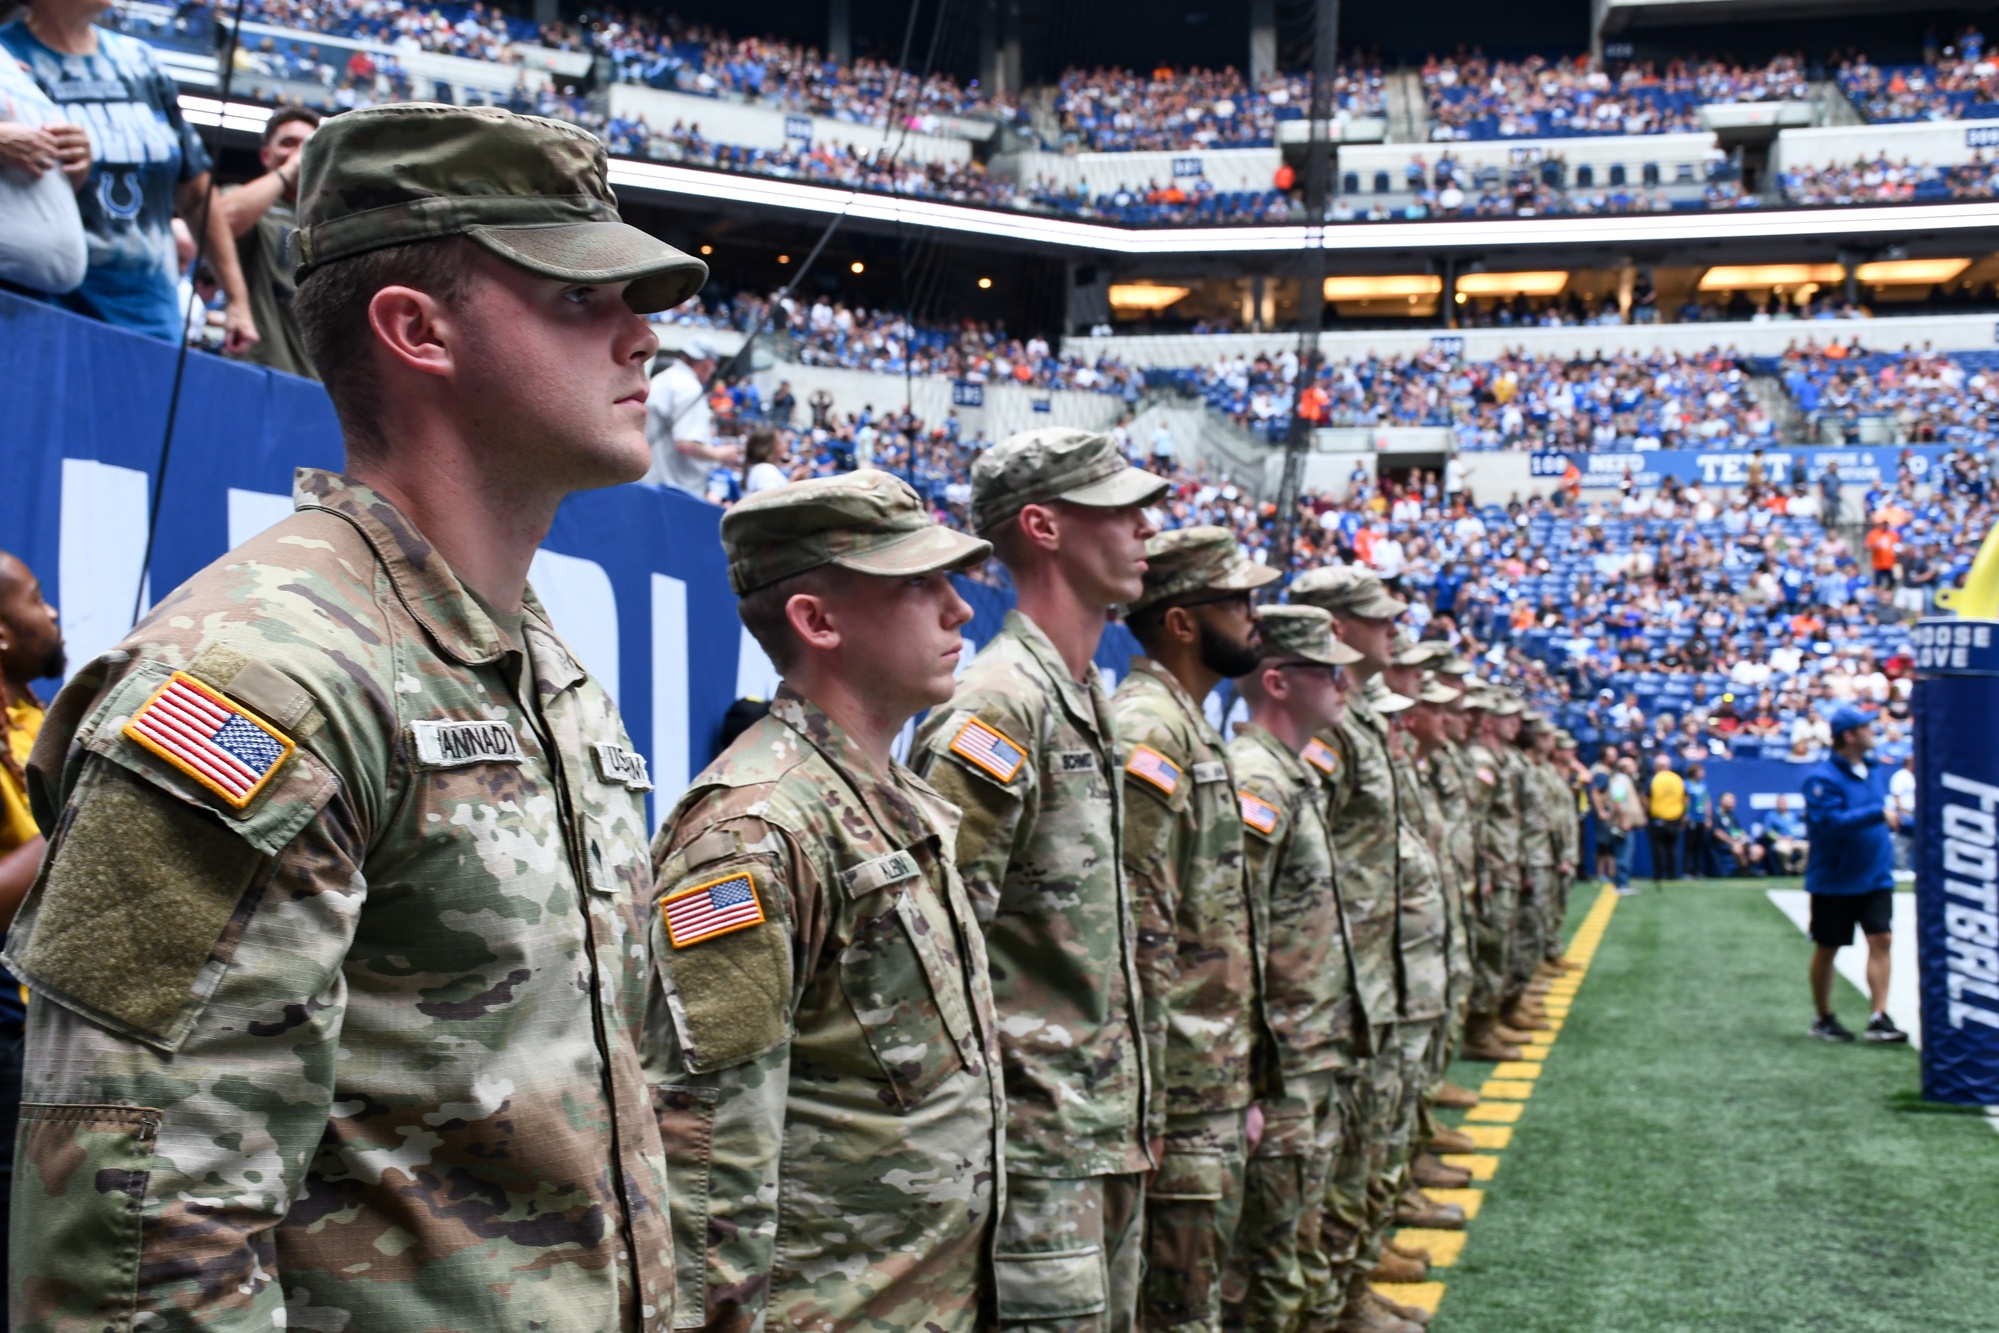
{"x": 1851, "y": 873}
{"x": 147, "y": 163}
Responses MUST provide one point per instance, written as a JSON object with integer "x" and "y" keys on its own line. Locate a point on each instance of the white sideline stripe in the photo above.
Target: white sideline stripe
{"x": 1905, "y": 1004}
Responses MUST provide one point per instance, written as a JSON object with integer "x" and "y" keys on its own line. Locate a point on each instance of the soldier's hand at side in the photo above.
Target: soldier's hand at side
{"x": 1156, "y": 1150}
{"x": 1253, "y": 1131}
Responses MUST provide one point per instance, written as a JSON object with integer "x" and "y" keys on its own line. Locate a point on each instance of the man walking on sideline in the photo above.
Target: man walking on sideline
{"x": 1851, "y": 874}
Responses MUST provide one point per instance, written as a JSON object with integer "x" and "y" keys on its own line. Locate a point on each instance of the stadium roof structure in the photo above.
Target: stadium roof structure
{"x": 1618, "y": 16}
{"x": 1740, "y": 236}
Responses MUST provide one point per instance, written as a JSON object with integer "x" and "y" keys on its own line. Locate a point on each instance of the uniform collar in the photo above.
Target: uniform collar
{"x": 1202, "y": 727}
{"x": 1077, "y": 696}
{"x": 900, "y": 813}
{"x": 428, "y": 589}
{"x": 1294, "y": 767}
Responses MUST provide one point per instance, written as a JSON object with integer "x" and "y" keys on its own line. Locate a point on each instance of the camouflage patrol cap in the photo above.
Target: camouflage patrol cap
{"x": 1455, "y": 666}
{"x": 1187, "y": 561}
{"x": 1384, "y": 700}
{"x": 1435, "y": 691}
{"x": 1563, "y": 740}
{"x": 1411, "y": 652}
{"x": 532, "y": 191}
{"x": 1505, "y": 705}
{"x": 868, "y": 521}
{"x": 1301, "y": 632}
{"x": 1351, "y": 590}
{"x": 1035, "y": 467}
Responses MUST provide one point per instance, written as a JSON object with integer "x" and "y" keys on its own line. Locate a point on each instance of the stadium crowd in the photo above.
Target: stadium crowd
{"x": 1471, "y": 97}
{"x": 1115, "y": 110}
{"x": 1955, "y": 82}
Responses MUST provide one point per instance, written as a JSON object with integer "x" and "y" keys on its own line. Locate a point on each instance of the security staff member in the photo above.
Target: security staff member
{"x": 825, "y": 1044}
{"x": 337, "y": 992}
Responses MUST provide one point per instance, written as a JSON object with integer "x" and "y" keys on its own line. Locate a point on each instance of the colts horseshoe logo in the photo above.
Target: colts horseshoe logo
{"x": 106, "y": 191}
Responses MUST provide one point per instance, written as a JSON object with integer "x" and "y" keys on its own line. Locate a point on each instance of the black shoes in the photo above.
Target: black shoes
{"x": 1828, "y": 1028}
{"x": 1882, "y": 1028}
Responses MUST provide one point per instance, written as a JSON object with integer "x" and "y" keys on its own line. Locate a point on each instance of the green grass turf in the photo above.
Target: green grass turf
{"x": 1691, "y": 1160}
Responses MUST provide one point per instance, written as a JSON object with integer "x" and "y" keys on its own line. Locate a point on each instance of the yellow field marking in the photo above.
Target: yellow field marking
{"x": 1507, "y": 1089}
{"x": 1469, "y": 1200}
{"x": 1510, "y": 1078}
{"x": 1443, "y": 1247}
{"x": 1426, "y": 1295}
{"x": 1481, "y": 1165}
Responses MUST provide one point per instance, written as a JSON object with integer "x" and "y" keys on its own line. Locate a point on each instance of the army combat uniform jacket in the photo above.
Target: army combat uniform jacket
{"x": 1361, "y": 817}
{"x": 1423, "y": 909}
{"x": 1200, "y": 954}
{"x": 824, "y": 1043}
{"x": 339, "y": 964}
{"x": 1026, "y": 751}
{"x": 1308, "y": 974}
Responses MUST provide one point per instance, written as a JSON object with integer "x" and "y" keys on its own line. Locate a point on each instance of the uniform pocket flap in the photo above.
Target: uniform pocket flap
{"x": 1186, "y": 1174}
{"x": 1053, "y": 1284}
{"x": 80, "y": 1176}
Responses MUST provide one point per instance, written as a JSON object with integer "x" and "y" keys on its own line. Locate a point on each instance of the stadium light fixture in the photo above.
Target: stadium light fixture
{"x": 1513, "y": 284}
{"x": 707, "y": 249}
{"x": 857, "y": 267}
{"x": 1751, "y": 277}
{"x": 1891, "y": 272}
{"x": 985, "y": 284}
{"x": 784, "y": 259}
{"x": 1145, "y": 295}
{"x": 1378, "y": 287}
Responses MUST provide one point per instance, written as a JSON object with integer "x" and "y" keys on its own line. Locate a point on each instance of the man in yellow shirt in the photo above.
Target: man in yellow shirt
{"x": 1666, "y": 803}
{"x": 30, "y": 650}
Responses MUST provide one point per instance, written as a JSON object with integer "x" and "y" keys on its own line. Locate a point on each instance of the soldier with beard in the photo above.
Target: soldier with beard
{"x": 1199, "y": 950}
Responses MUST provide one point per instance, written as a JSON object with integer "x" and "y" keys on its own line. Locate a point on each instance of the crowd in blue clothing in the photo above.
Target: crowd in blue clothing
{"x": 1954, "y": 82}
{"x": 1473, "y": 98}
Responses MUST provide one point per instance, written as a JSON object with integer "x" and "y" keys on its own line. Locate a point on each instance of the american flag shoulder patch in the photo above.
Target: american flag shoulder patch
{"x": 712, "y": 908}
{"x": 989, "y": 749}
{"x": 1321, "y": 756}
{"x": 211, "y": 738}
{"x": 1153, "y": 767}
{"x": 1258, "y": 813}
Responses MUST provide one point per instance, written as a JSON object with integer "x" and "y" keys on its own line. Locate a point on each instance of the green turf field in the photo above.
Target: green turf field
{"x": 1689, "y": 1159}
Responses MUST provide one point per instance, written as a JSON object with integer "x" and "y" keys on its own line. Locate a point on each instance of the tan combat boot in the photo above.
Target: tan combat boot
{"x": 1414, "y": 1314}
{"x": 1447, "y": 1139}
{"x": 1484, "y": 1041}
{"x": 1416, "y": 1252}
{"x": 1430, "y": 1173}
{"x": 1521, "y": 1021}
{"x": 1393, "y": 1267}
{"x": 1454, "y": 1098}
{"x": 1415, "y": 1209}
{"x": 1366, "y": 1315}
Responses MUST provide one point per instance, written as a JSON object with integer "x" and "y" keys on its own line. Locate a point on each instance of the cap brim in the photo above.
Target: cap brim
{"x": 924, "y": 551}
{"x": 1130, "y": 486}
{"x": 1391, "y": 703}
{"x": 661, "y": 277}
{"x": 1245, "y": 575}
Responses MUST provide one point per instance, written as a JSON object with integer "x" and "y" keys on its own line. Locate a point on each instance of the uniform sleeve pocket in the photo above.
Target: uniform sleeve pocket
{"x": 1052, "y": 1284}
{"x": 1187, "y": 1175}
{"x": 687, "y": 1129}
{"x": 80, "y": 1175}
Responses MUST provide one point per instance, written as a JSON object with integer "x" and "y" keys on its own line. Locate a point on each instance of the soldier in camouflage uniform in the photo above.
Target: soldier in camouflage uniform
{"x": 1362, "y": 818}
{"x": 1568, "y": 847}
{"x": 1200, "y": 953}
{"x": 1280, "y": 1266}
{"x": 1498, "y": 824}
{"x": 1040, "y": 852}
{"x": 1455, "y": 780}
{"x": 338, "y": 952}
{"x": 1509, "y": 848}
{"x": 1538, "y": 817}
{"x": 824, "y": 1043}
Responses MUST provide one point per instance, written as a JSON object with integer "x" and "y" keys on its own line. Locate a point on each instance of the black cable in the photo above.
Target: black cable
{"x": 180, "y": 360}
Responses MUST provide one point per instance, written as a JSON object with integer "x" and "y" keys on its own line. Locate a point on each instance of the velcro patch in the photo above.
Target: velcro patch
{"x": 1154, "y": 767}
{"x": 450, "y": 744}
{"x": 616, "y": 764}
{"x": 879, "y": 873}
{"x": 1212, "y": 770}
{"x": 1257, "y": 813}
{"x": 987, "y": 748}
{"x": 1321, "y": 756}
{"x": 714, "y": 908}
{"x": 217, "y": 742}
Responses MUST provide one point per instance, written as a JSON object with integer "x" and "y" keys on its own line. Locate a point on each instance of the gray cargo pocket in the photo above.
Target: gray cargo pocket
{"x": 1192, "y": 1175}
{"x": 1050, "y": 1284}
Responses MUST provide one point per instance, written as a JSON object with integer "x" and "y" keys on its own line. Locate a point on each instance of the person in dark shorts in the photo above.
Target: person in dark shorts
{"x": 1851, "y": 873}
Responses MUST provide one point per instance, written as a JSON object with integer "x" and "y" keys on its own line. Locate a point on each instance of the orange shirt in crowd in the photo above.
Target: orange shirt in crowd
{"x": 1881, "y": 545}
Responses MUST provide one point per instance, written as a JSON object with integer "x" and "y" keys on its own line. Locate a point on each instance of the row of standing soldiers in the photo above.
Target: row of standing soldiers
{"x": 1210, "y": 986}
